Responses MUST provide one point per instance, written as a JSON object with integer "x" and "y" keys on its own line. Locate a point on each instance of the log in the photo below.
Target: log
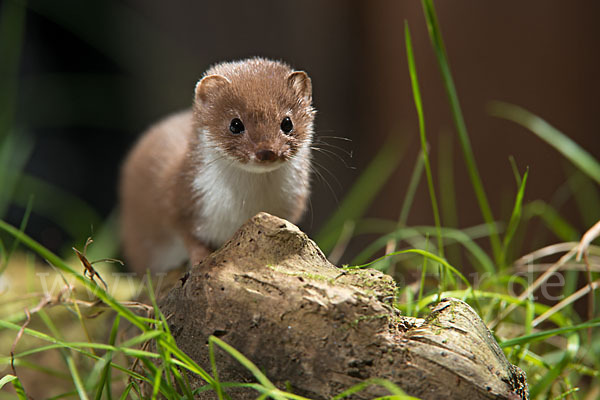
{"x": 271, "y": 293}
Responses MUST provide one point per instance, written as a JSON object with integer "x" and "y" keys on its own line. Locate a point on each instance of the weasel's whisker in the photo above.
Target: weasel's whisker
{"x": 329, "y": 155}
{"x": 315, "y": 168}
{"x": 334, "y": 137}
{"x": 348, "y": 153}
{"x": 323, "y": 151}
{"x": 322, "y": 143}
{"x": 329, "y": 172}
{"x": 322, "y": 179}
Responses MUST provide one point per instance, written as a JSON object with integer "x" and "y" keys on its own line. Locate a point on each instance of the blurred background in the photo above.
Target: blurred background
{"x": 82, "y": 79}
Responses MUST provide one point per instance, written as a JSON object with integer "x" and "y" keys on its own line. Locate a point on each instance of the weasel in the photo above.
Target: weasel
{"x": 193, "y": 178}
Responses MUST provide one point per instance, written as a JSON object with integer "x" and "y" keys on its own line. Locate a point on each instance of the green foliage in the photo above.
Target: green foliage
{"x": 556, "y": 346}
{"x": 167, "y": 379}
{"x": 459, "y": 122}
{"x": 550, "y": 367}
{"x": 16, "y": 384}
{"x": 561, "y": 142}
{"x": 419, "y": 106}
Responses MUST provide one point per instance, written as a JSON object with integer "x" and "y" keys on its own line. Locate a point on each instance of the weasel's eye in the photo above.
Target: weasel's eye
{"x": 236, "y": 126}
{"x": 287, "y": 125}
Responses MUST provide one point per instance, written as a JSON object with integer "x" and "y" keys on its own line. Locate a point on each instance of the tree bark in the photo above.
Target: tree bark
{"x": 270, "y": 293}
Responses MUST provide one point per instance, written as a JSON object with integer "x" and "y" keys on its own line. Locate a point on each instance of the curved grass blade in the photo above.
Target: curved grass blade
{"x": 413, "y": 184}
{"x": 424, "y": 253}
{"x": 16, "y": 385}
{"x": 447, "y": 190}
{"x": 552, "y": 219}
{"x": 544, "y": 384}
{"x": 256, "y": 386}
{"x": 75, "y": 376}
{"x": 213, "y": 363}
{"x": 513, "y": 223}
{"x": 585, "y": 192}
{"x": 459, "y": 122}
{"x": 249, "y": 365}
{"x": 566, "y": 146}
{"x": 484, "y": 263}
{"x": 537, "y": 336}
{"x": 67, "y": 211}
{"x": 396, "y": 392}
{"x": 106, "y": 377}
{"x": 125, "y": 393}
{"x": 5, "y": 258}
{"x": 15, "y": 149}
{"x": 409, "y": 197}
{"x": 61, "y": 265}
{"x": 419, "y": 106}
{"x": 186, "y": 361}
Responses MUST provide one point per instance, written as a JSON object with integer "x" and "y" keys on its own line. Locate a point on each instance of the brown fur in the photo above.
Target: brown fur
{"x": 259, "y": 92}
{"x": 159, "y": 202}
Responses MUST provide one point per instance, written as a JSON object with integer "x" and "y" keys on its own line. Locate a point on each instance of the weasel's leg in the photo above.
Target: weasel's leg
{"x": 197, "y": 250}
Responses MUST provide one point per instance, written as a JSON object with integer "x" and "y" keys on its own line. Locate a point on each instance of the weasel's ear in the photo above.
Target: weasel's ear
{"x": 209, "y": 86}
{"x": 301, "y": 84}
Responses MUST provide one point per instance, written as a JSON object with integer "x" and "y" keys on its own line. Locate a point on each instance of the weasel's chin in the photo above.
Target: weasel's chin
{"x": 260, "y": 168}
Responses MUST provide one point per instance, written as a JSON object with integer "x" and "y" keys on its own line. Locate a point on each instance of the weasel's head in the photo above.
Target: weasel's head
{"x": 256, "y": 112}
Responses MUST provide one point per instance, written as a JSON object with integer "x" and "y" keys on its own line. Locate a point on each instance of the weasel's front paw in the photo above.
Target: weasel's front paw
{"x": 198, "y": 252}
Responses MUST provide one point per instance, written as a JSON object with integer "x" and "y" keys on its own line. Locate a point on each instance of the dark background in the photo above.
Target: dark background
{"x": 94, "y": 74}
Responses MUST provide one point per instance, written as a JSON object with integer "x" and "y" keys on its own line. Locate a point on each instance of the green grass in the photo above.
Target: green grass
{"x": 167, "y": 379}
{"x": 419, "y": 106}
{"x": 460, "y": 125}
{"x": 561, "y": 142}
{"x": 558, "y": 347}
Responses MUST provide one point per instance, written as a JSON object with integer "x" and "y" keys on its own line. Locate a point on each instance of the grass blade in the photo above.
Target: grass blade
{"x": 126, "y": 391}
{"x": 552, "y": 219}
{"x": 215, "y": 371}
{"x": 249, "y": 365}
{"x": 21, "y": 395}
{"x": 6, "y": 256}
{"x": 464, "y": 237}
{"x": 447, "y": 190}
{"x": 544, "y": 384}
{"x": 67, "y": 211}
{"x": 535, "y": 337}
{"x": 61, "y": 265}
{"x": 106, "y": 378}
{"x": 413, "y": 184}
{"x": 396, "y": 392}
{"x": 566, "y": 146}
{"x": 513, "y": 223}
{"x": 76, "y": 378}
{"x": 409, "y": 197}
{"x": 424, "y": 253}
{"x": 419, "y": 106}
{"x": 15, "y": 150}
{"x": 585, "y": 192}
{"x": 459, "y": 122}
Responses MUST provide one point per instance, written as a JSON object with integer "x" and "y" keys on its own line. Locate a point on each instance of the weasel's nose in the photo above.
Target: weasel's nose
{"x": 266, "y": 155}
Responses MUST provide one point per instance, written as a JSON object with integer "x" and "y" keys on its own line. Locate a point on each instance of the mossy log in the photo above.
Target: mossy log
{"x": 270, "y": 293}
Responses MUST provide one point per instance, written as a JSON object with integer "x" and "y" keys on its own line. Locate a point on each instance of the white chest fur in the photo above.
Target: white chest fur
{"x": 230, "y": 195}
